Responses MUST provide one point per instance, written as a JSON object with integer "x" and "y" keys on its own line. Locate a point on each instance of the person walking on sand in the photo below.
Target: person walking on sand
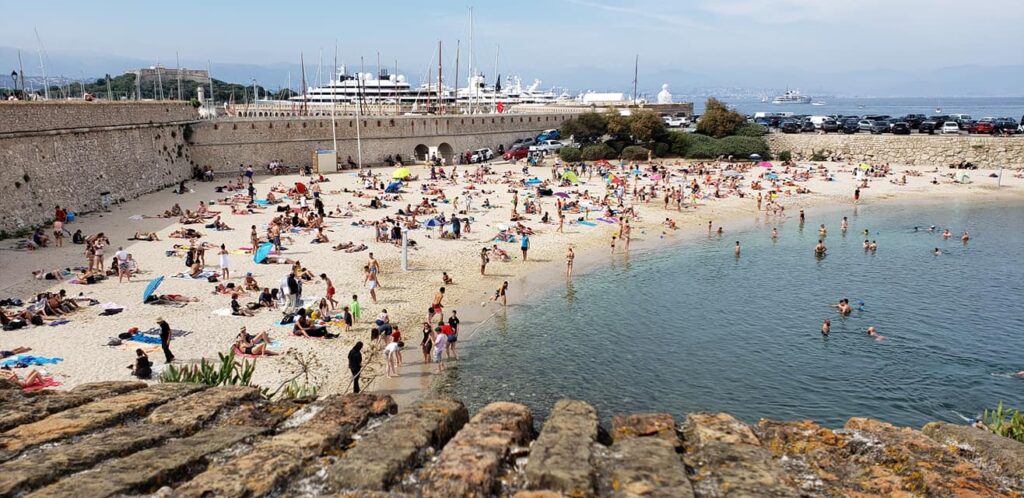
{"x": 254, "y": 240}
{"x": 569, "y": 257}
{"x": 856, "y": 195}
{"x": 165, "y": 339}
{"x": 357, "y": 312}
{"x": 355, "y": 365}
{"x": 453, "y": 334}
{"x": 370, "y": 281}
{"x": 436, "y": 308}
{"x": 525, "y": 246}
{"x": 374, "y": 267}
{"x": 330, "y": 290}
{"x": 440, "y": 341}
{"x": 58, "y": 233}
{"x": 225, "y": 264}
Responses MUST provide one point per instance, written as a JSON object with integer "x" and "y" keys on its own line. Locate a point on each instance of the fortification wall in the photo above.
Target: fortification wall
{"x": 68, "y": 153}
{"x": 227, "y": 143}
{"x": 923, "y": 150}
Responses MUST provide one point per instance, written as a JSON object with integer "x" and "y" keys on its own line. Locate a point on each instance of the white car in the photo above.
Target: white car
{"x": 547, "y": 146}
{"x": 950, "y": 127}
{"x": 481, "y": 155}
{"x": 676, "y": 121}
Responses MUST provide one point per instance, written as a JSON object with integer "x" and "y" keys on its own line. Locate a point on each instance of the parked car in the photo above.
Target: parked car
{"x": 481, "y": 155}
{"x": 982, "y": 127}
{"x": 914, "y": 120}
{"x": 1004, "y": 125}
{"x": 865, "y": 125}
{"x": 790, "y": 127}
{"x": 928, "y": 127}
{"x": 829, "y": 125}
{"x": 548, "y": 135}
{"x": 950, "y": 127}
{"x": 676, "y": 121}
{"x": 850, "y": 126}
{"x": 900, "y": 128}
{"x": 879, "y": 127}
{"x": 517, "y": 152}
{"x": 547, "y": 146}
{"x": 807, "y": 126}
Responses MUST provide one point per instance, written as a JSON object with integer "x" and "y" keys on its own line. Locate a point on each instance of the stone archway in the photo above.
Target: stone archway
{"x": 420, "y": 152}
{"x": 446, "y": 151}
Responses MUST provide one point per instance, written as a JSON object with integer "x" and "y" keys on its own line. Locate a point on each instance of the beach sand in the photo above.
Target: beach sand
{"x": 406, "y": 295}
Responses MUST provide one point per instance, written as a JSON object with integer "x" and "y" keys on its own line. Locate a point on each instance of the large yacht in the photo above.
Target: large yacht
{"x": 383, "y": 88}
{"x": 791, "y": 97}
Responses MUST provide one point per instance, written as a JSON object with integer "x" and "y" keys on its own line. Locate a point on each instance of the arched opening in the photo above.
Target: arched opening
{"x": 420, "y": 152}
{"x": 446, "y": 152}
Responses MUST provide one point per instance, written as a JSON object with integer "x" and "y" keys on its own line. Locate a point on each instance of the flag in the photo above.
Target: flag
{"x": 500, "y": 107}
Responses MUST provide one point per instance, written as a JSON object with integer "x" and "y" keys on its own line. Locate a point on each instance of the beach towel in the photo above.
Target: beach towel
{"x": 29, "y": 360}
{"x": 62, "y": 321}
{"x": 145, "y": 339}
{"x": 225, "y": 312}
{"x": 587, "y": 223}
{"x": 202, "y": 276}
{"x": 43, "y": 383}
{"x": 609, "y": 220}
{"x": 135, "y": 217}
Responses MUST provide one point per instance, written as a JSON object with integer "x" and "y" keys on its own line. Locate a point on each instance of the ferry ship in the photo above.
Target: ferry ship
{"x": 791, "y": 97}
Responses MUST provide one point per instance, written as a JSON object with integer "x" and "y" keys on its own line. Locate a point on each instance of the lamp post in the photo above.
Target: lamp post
{"x": 14, "y": 78}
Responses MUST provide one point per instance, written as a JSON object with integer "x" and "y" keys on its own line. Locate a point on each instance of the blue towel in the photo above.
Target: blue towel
{"x": 147, "y": 339}
{"x": 587, "y": 223}
{"x": 30, "y": 360}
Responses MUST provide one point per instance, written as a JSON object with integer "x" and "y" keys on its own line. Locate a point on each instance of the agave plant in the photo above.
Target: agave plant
{"x": 1006, "y": 422}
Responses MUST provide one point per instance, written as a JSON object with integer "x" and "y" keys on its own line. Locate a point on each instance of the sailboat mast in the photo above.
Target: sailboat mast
{"x": 334, "y": 100}
{"x": 636, "y": 71}
{"x": 42, "y": 67}
{"x": 302, "y": 67}
{"x": 455, "y": 100}
{"x": 21, "y": 73}
{"x": 177, "y": 62}
{"x": 440, "y": 104}
{"x": 472, "y": 66}
{"x": 497, "y": 50}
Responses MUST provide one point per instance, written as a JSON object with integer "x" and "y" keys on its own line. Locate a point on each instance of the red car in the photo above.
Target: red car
{"x": 982, "y": 127}
{"x": 516, "y": 153}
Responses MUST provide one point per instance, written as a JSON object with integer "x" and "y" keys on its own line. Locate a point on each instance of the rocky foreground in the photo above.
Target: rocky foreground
{"x": 127, "y": 438}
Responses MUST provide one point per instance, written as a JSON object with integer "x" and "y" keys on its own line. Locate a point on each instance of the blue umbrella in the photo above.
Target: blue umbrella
{"x": 262, "y": 252}
{"x": 151, "y": 288}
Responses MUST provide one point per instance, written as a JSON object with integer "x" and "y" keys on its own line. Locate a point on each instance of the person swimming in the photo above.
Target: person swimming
{"x": 820, "y": 249}
{"x": 965, "y": 236}
{"x": 937, "y": 251}
{"x": 874, "y": 333}
{"x": 775, "y": 233}
{"x": 826, "y": 327}
{"x": 946, "y": 234}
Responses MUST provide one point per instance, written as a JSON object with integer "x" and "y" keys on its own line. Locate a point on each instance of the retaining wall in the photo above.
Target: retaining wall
{"x": 922, "y": 150}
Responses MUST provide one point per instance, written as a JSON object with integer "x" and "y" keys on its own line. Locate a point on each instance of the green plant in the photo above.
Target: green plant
{"x": 586, "y": 127}
{"x": 596, "y": 152}
{"x": 785, "y": 156}
{"x": 635, "y": 153}
{"x": 645, "y": 126}
{"x": 295, "y": 390}
{"x": 228, "y": 372}
{"x": 570, "y": 154}
{"x": 750, "y": 130}
{"x": 662, "y": 149}
{"x": 818, "y": 155}
{"x": 1007, "y": 422}
{"x": 741, "y": 147}
{"x": 718, "y": 120}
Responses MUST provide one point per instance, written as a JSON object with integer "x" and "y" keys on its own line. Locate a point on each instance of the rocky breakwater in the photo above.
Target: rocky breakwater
{"x": 922, "y": 150}
{"x": 126, "y": 438}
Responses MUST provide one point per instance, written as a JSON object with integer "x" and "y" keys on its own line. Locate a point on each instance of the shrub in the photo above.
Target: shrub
{"x": 683, "y": 143}
{"x": 697, "y": 146}
{"x": 741, "y": 147}
{"x": 617, "y": 145}
{"x": 750, "y": 130}
{"x": 598, "y": 151}
{"x": 785, "y": 155}
{"x": 662, "y": 149}
{"x": 718, "y": 121}
{"x": 586, "y": 127}
{"x": 1005, "y": 422}
{"x": 635, "y": 153}
{"x": 570, "y": 154}
{"x": 819, "y": 155}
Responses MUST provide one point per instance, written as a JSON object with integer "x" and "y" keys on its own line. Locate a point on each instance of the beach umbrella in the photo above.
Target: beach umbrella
{"x": 569, "y": 175}
{"x": 151, "y": 287}
{"x": 755, "y": 157}
{"x": 865, "y": 166}
{"x": 262, "y": 252}
{"x": 401, "y": 174}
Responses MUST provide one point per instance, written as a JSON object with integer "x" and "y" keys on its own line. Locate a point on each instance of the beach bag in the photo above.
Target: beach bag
{"x": 288, "y": 318}
{"x": 253, "y": 306}
{"x": 211, "y": 278}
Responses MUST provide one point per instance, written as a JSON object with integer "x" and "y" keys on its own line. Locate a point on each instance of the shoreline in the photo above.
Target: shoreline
{"x": 404, "y": 294}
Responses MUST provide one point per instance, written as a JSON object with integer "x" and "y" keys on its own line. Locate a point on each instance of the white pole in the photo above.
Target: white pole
{"x": 334, "y": 100}
{"x": 405, "y": 249}
{"x": 999, "y": 183}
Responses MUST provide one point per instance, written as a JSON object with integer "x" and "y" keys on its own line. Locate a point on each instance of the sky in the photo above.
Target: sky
{"x": 576, "y": 40}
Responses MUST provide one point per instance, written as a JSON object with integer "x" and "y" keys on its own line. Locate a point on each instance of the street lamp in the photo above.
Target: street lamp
{"x": 14, "y": 78}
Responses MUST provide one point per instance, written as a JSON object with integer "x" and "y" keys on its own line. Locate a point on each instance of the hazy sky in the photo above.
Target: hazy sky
{"x": 539, "y": 36}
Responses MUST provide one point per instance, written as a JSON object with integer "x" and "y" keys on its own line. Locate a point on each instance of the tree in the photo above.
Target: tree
{"x": 646, "y": 126}
{"x": 718, "y": 121}
{"x": 585, "y": 128}
{"x": 618, "y": 125}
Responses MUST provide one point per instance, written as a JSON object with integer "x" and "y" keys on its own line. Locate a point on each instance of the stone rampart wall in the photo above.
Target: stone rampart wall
{"x": 919, "y": 150}
{"x": 34, "y": 117}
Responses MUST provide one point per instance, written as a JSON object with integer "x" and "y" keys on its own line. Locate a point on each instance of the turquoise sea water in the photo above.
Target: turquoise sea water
{"x": 690, "y": 327}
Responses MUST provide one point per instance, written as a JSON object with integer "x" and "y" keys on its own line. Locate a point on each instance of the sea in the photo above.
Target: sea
{"x": 977, "y": 107}
{"x": 690, "y": 326}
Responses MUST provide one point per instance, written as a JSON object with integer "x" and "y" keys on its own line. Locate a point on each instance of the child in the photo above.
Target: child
{"x": 354, "y": 308}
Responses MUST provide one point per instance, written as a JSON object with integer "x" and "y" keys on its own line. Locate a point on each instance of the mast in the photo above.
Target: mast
{"x": 472, "y": 66}
{"x": 21, "y": 75}
{"x": 110, "y": 93}
{"x": 42, "y": 67}
{"x": 377, "y": 99}
{"x": 302, "y": 66}
{"x": 439, "y": 103}
{"x": 636, "y": 69}
{"x": 359, "y": 110}
{"x": 497, "y": 50}
{"x": 455, "y": 101}
{"x": 398, "y": 100}
{"x": 177, "y": 62}
{"x": 159, "y": 82}
{"x": 334, "y": 123}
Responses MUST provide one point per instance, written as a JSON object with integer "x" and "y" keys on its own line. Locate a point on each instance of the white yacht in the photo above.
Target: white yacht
{"x": 383, "y": 88}
{"x": 791, "y": 97}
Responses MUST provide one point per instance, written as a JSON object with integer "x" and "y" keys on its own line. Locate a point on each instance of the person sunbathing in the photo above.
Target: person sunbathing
{"x": 218, "y": 225}
{"x": 145, "y": 236}
{"x": 52, "y": 275}
{"x": 18, "y": 350}
{"x": 253, "y": 345}
{"x": 360, "y": 247}
{"x": 189, "y": 218}
{"x": 500, "y": 253}
{"x": 237, "y": 309}
{"x": 195, "y": 270}
{"x": 33, "y": 377}
{"x": 186, "y": 233}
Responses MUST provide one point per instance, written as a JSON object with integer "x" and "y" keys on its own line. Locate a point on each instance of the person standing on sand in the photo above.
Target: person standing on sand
{"x": 374, "y": 267}
{"x": 440, "y": 342}
{"x": 225, "y": 263}
{"x": 561, "y": 221}
{"x": 709, "y": 228}
{"x": 436, "y": 308}
{"x": 254, "y": 240}
{"x": 330, "y": 291}
{"x": 370, "y": 281}
{"x": 801, "y": 217}
{"x": 354, "y": 308}
{"x": 453, "y": 337}
{"x": 569, "y": 257}
{"x": 502, "y": 293}
{"x": 355, "y": 364}
{"x": 613, "y": 244}
{"x": 483, "y": 261}
{"x": 165, "y": 339}
{"x": 58, "y": 233}
{"x": 525, "y": 246}
{"x": 856, "y": 195}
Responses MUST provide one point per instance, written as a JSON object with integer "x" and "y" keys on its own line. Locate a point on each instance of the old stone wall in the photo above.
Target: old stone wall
{"x": 225, "y": 144}
{"x": 67, "y": 154}
{"x": 921, "y": 150}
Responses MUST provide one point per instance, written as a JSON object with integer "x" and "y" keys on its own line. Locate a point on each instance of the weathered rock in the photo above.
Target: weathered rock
{"x": 88, "y": 417}
{"x": 727, "y": 459}
{"x": 470, "y": 462}
{"x": 639, "y": 425}
{"x": 274, "y": 460}
{"x": 644, "y": 467}
{"x": 1002, "y": 453}
{"x": 196, "y": 409}
{"x": 147, "y": 470}
{"x": 561, "y": 457}
{"x": 43, "y": 467}
{"x": 20, "y": 409}
{"x": 378, "y": 460}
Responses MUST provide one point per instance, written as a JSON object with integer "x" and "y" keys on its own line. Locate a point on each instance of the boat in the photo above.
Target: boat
{"x": 818, "y": 102}
{"x": 791, "y": 97}
{"x": 382, "y": 88}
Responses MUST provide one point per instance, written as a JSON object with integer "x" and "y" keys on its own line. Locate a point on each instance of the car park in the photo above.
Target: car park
{"x": 807, "y": 126}
{"x": 829, "y": 125}
{"x": 950, "y": 127}
{"x": 850, "y": 126}
{"x": 790, "y": 127}
{"x": 879, "y": 127}
{"x": 1004, "y": 126}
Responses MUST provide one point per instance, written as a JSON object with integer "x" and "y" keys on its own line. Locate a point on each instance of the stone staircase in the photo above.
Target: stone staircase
{"x": 183, "y": 440}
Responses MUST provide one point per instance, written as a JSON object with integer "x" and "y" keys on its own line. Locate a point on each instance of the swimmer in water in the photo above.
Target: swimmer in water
{"x": 937, "y": 251}
{"x": 775, "y": 233}
{"x": 946, "y": 234}
{"x": 737, "y": 248}
{"x": 873, "y": 333}
{"x": 845, "y": 224}
{"x": 873, "y": 246}
{"x": 826, "y": 326}
{"x": 965, "y": 236}
{"x": 843, "y": 307}
{"x": 822, "y": 230}
{"x": 720, "y": 231}
{"x": 866, "y": 232}
{"x": 1020, "y": 374}
{"x": 867, "y": 244}
{"x": 820, "y": 249}
{"x": 916, "y": 229}
{"x": 931, "y": 228}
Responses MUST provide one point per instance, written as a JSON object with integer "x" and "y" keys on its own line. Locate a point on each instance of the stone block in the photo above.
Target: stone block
{"x": 561, "y": 457}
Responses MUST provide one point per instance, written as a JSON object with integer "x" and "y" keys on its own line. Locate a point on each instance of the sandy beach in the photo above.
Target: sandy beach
{"x": 82, "y": 342}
